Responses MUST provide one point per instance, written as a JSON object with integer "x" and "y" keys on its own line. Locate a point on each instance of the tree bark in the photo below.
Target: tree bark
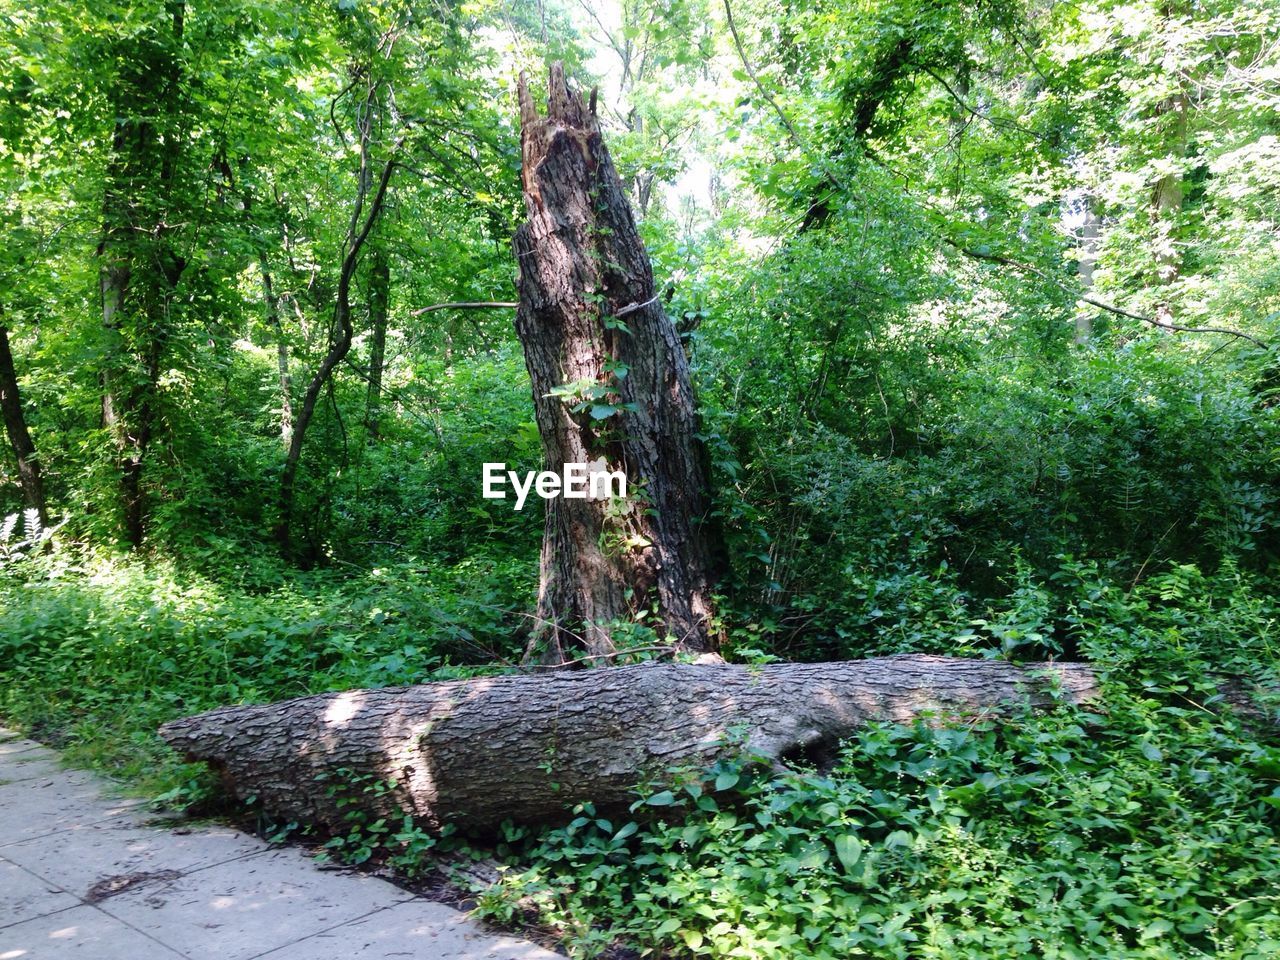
{"x": 1166, "y": 194}
{"x": 1090, "y": 233}
{"x": 611, "y": 387}
{"x": 379, "y": 307}
{"x": 526, "y": 747}
{"x": 139, "y": 269}
{"x": 15, "y": 425}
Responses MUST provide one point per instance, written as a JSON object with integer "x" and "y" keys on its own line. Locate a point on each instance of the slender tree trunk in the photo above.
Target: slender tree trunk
{"x": 528, "y": 747}
{"x": 379, "y": 307}
{"x": 139, "y": 268}
{"x": 364, "y": 215}
{"x": 272, "y": 304}
{"x": 1090, "y": 231}
{"x": 1166, "y": 203}
{"x": 15, "y": 425}
{"x": 611, "y": 387}
{"x": 1166, "y": 194}
{"x": 959, "y": 123}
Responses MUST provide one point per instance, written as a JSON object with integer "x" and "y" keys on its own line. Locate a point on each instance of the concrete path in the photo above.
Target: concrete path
{"x": 83, "y": 876}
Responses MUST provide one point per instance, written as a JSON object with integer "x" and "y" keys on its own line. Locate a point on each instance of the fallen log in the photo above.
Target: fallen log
{"x": 526, "y": 747}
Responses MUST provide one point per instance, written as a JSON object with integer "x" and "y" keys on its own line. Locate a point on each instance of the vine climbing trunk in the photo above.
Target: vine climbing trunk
{"x": 611, "y": 388}
{"x": 139, "y": 267}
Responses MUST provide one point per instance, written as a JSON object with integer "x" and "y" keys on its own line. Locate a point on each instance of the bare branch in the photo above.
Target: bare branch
{"x": 466, "y": 305}
{"x": 1101, "y": 304}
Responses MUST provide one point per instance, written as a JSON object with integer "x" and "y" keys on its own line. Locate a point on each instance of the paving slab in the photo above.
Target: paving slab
{"x": 25, "y": 896}
{"x": 11, "y": 744}
{"x": 411, "y": 930}
{"x": 28, "y": 765}
{"x": 81, "y": 933}
{"x": 241, "y": 909}
{"x": 94, "y": 855}
{"x": 85, "y": 875}
{"x": 69, "y": 800}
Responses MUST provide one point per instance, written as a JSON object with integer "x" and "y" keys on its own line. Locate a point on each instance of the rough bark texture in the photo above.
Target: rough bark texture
{"x": 526, "y": 747}
{"x": 592, "y": 328}
{"x": 15, "y": 425}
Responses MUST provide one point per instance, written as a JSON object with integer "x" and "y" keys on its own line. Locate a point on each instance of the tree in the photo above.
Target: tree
{"x": 366, "y": 208}
{"x": 526, "y": 748}
{"x": 379, "y": 305}
{"x": 140, "y": 268}
{"x": 610, "y": 387}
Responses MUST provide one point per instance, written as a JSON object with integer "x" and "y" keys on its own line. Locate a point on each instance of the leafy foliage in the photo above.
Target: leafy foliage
{"x": 980, "y": 300}
{"x": 1139, "y": 833}
{"x": 97, "y": 654}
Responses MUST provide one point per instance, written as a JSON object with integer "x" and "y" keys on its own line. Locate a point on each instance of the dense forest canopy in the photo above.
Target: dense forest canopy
{"x": 903, "y": 242}
{"x": 979, "y": 304}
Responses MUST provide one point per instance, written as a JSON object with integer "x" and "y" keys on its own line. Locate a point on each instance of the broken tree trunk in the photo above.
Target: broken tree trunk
{"x": 526, "y": 747}
{"x": 610, "y": 388}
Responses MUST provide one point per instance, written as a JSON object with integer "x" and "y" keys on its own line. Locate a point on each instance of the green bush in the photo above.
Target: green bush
{"x": 95, "y": 654}
{"x": 1144, "y": 829}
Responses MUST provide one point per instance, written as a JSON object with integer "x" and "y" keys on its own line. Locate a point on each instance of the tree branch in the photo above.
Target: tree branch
{"x": 994, "y": 121}
{"x": 751, "y": 71}
{"x": 1101, "y": 304}
{"x": 466, "y": 305}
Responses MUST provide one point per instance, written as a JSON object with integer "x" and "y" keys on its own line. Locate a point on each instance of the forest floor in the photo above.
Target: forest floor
{"x": 85, "y": 874}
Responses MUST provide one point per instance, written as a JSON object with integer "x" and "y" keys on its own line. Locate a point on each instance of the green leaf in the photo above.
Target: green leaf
{"x": 663, "y": 799}
{"x": 669, "y": 925}
{"x": 899, "y": 838}
{"x": 849, "y": 850}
